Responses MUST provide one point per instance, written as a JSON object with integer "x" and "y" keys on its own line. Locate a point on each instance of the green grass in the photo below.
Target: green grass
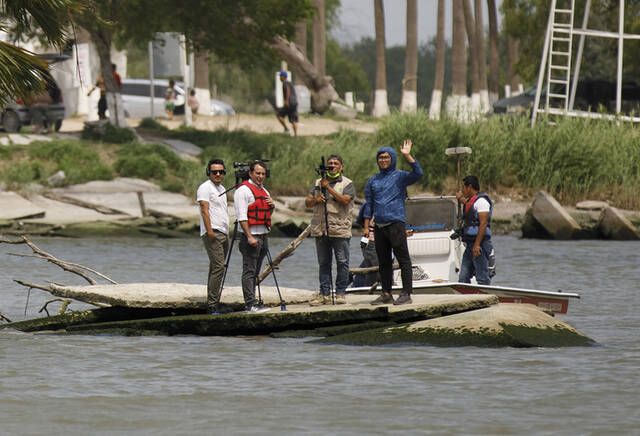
{"x": 573, "y": 160}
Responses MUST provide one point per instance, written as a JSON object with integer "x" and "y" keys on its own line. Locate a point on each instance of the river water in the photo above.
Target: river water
{"x": 187, "y": 385}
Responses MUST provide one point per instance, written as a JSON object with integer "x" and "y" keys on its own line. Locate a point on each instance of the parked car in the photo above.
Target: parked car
{"x": 221, "y": 108}
{"x": 590, "y": 95}
{"x": 16, "y": 114}
{"x": 135, "y": 98}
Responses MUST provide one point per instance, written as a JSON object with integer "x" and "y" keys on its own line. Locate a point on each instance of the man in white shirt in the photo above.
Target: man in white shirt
{"x": 253, "y": 206}
{"x": 214, "y": 228}
{"x": 477, "y": 232}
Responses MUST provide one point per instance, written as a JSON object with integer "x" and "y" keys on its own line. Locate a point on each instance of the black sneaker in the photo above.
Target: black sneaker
{"x": 384, "y": 298}
{"x": 403, "y": 299}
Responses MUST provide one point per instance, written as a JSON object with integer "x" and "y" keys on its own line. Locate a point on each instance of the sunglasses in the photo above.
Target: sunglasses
{"x": 214, "y": 172}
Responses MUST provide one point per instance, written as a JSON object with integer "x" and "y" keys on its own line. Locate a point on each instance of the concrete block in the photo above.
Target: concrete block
{"x": 592, "y": 205}
{"x": 553, "y": 217}
{"x": 15, "y": 207}
{"x": 614, "y": 225}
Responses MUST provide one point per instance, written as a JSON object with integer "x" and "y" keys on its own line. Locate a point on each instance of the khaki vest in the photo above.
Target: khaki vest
{"x": 340, "y": 216}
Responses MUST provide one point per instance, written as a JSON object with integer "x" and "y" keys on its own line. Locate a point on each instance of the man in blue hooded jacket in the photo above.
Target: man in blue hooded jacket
{"x": 385, "y": 194}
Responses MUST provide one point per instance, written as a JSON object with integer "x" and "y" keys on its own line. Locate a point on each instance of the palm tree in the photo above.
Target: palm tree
{"x": 473, "y": 53}
{"x": 493, "y": 51}
{"x": 458, "y": 101}
{"x": 319, "y": 38}
{"x": 201, "y": 79}
{"x": 481, "y": 58}
{"x": 301, "y": 43}
{"x": 512, "y": 57}
{"x": 380, "y": 105}
{"x": 21, "y": 71}
{"x": 438, "y": 82}
{"x": 410, "y": 80}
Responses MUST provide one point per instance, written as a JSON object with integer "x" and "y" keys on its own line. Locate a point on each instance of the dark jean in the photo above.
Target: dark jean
{"x": 217, "y": 251}
{"x": 252, "y": 258}
{"x": 388, "y": 238}
{"x": 340, "y": 248}
{"x": 478, "y": 266}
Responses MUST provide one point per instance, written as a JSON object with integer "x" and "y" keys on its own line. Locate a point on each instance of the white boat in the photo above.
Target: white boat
{"x": 436, "y": 259}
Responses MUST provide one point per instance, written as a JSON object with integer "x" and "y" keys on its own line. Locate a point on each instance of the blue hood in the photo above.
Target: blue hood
{"x": 392, "y": 153}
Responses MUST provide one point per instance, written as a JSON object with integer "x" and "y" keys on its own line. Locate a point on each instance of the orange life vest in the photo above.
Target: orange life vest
{"x": 259, "y": 211}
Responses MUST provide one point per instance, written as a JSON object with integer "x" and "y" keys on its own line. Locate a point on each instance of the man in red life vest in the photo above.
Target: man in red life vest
{"x": 253, "y": 206}
{"x": 477, "y": 232}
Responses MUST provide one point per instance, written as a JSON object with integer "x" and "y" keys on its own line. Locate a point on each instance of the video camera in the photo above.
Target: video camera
{"x": 242, "y": 169}
{"x": 322, "y": 169}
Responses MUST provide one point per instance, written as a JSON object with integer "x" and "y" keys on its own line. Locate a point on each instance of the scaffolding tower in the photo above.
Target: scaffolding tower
{"x": 555, "y": 65}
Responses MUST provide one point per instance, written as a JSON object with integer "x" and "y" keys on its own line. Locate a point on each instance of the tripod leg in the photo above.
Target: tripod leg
{"x": 226, "y": 265}
{"x": 283, "y": 305}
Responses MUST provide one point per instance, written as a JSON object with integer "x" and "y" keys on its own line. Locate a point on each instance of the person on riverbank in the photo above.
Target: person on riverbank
{"x": 477, "y": 209}
{"x": 102, "y": 103}
{"x": 253, "y": 206}
{"x": 290, "y": 107}
{"x": 214, "y": 228}
{"x": 170, "y": 99}
{"x": 385, "y": 195}
{"x": 332, "y": 200}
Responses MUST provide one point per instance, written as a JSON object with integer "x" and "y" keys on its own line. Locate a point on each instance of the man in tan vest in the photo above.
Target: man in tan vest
{"x": 332, "y": 197}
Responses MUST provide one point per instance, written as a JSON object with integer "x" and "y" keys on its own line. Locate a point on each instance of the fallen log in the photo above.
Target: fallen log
{"x": 288, "y": 251}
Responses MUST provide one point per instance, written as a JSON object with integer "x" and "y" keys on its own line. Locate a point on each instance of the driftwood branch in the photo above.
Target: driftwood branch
{"x": 11, "y": 241}
{"x": 370, "y": 269}
{"x": 75, "y": 202}
{"x": 63, "y": 307}
{"x": 32, "y": 285}
{"x": 51, "y": 258}
{"x": 2, "y": 316}
{"x": 86, "y": 268}
{"x": 288, "y": 251}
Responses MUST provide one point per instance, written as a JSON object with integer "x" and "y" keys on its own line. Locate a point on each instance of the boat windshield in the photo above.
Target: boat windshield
{"x": 430, "y": 214}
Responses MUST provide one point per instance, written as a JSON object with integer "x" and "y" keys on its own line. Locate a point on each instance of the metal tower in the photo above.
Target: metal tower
{"x": 555, "y": 65}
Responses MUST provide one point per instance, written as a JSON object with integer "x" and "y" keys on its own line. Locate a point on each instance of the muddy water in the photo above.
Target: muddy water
{"x": 194, "y": 385}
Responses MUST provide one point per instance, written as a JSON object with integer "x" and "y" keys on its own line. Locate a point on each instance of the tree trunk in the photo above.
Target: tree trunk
{"x": 380, "y": 105}
{"x": 494, "y": 90}
{"x": 458, "y": 102}
{"x": 301, "y": 43}
{"x": 319, "y": 41}
{"x": 438, "y": 82}
{"x": 102, "y": 41}
{"x": 473, "y": 53}
{"x": 320, "y": 86}
{"x": 512, "y": 58}
{"x": 481, "y": 57}
{"x": 201, "y": 85}
{"x": 410, "y": 81}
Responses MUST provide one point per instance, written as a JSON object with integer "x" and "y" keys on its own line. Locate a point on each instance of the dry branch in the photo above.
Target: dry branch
{"x": 68, "y": 263}
{"x": 32, "y": 285}
{"x": 65, "y": 266}
{"x": 63, "y": 307}
{"x": 4, "y": 317}
{"x": 288, "y": 251}
{"x": 75, "y": 202}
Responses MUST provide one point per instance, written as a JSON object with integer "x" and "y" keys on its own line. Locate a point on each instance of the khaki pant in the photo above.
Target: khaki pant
{"x": 217, "y": 252}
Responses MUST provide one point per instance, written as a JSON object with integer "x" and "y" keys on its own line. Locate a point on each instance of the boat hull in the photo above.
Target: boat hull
{"x": 556, "y": 302}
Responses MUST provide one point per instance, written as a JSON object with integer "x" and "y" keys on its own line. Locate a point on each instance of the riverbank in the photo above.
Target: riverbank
{"x": 171, "y": 158}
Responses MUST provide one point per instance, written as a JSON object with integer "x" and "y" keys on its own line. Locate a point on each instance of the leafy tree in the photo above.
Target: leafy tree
{"x": 21, "y": 71}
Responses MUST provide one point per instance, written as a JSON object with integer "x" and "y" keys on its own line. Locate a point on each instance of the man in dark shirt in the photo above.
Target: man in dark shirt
{"x": 290, "y": 107}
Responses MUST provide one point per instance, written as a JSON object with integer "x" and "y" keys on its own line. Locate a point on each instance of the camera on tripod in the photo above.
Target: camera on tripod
{"x": 322, "y": 169}
{"x": 242, "y": 169}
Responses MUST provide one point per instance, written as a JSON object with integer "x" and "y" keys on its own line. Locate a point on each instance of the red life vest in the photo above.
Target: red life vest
{"x": 259, "y": 211}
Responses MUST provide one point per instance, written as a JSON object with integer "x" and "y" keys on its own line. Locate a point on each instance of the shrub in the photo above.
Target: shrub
{"x": 150, "y": 166}
{"x": 79, "y": 163}
{"x": 24, "y": 172}
{"x": 150, "y": 123}
{"x": 112, "y": 134}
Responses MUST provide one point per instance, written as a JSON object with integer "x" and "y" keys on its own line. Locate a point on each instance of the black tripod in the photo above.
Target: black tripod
{"x": 283, "y": 305}
{"x": 322, "y": 172}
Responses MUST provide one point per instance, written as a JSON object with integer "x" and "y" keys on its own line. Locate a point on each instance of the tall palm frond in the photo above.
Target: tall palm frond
{"x": 21, "y": 72}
